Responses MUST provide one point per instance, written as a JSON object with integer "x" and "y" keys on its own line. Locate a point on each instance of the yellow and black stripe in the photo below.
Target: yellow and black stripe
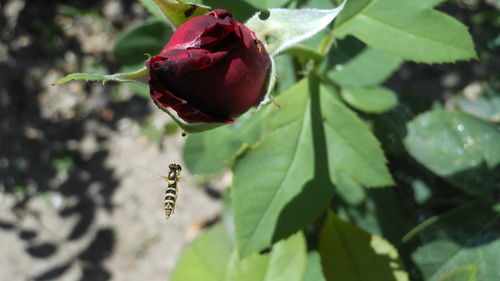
{"x": 171, "y": 191}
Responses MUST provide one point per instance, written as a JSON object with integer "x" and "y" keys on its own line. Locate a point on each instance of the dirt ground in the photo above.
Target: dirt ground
{"x": 130, "y": 240}
{"x": 81, "y": 165}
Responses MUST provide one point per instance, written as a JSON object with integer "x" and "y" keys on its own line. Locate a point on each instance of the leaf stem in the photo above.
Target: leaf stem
{"x": 304, "y": 53}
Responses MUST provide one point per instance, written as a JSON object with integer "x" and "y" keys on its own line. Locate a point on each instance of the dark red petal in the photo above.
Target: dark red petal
{"x": 184, "y": 61}
{"x": 220, "y": 13}
{"x": 162, "y": 96}
{"x": 203, "y": 31}
{"x": 165, "y": 98}
{"x": 213, "y": 35}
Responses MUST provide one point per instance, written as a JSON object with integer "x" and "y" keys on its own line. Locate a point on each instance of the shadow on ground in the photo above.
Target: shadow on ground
{"x": 40, "y": 156}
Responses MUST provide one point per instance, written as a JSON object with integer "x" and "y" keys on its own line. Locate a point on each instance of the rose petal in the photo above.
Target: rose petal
{"x": 183, "y": 61}
{"x": 162, "y": 96}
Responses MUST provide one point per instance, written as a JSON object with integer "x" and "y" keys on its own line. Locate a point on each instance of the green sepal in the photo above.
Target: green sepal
{"x": 139, "y": 76}
{"x": 178, "y": 13}
{"x": 189, "y": 127}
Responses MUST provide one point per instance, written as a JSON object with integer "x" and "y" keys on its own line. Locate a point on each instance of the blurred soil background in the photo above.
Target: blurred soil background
{"x": 81, "y": 164}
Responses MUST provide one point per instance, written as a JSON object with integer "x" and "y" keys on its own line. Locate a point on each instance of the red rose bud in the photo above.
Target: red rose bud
{"x": 213, "y": 69}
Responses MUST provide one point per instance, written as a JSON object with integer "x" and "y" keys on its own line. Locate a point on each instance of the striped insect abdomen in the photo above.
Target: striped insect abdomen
{"x": 170, "y": 197}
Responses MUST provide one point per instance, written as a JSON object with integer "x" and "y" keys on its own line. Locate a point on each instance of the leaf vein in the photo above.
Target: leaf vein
{"x": 357, "y": 151}
{"x": 275, "y": 193}
{"x": 414, "y": 35}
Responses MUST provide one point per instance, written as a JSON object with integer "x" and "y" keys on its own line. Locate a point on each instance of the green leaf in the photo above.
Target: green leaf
{"x": 139, "y": 76}
{"x": 465, "y": 273}
{"x": 286, "y": 261}
{"x": 370, "y": 100}
{"x": 314, "y": 272}
{"x": 285, "y": 181}
{"x": 480, "y": 100}
{"x": 178, "y": 13}
{"x": 287, "y": 27}
{"x": 285, "y": 70}
{"x": 426, "y": 4}
{"x": 206, "y": 258}
{"x": 241, "y": 10}
{"x": 350, "y": 191}
{"x": 320, "y": 4}
{"x": 197, "y": 157}
{"x": 266, "y": 4}
{"x": 304, "y": 53}
{"x": 462, "y": 149}
{"x": 152, "y": 8}
{"x": 148, "y": 37}
{"x": 351, "y": 254}
{"x": 370, "y": 206}
{"x": 140, "y": 90}
{"x": 353, "y": 149}
{"x": 464, "y": 242}
{"x": 403, "y": 29}
{"x": 210, "y": 152}
{"x": 369, "y": 68}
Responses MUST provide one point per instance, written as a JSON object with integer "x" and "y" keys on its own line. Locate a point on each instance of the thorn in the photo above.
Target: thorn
{"x": 259, "y": 48}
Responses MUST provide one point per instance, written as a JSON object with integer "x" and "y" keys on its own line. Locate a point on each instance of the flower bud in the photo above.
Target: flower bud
{"x": 213, "y": 69}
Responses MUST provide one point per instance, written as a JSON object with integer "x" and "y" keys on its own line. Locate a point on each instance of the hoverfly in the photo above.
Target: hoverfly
{"x": 171, "y": 190}
{"x": 189, "y": 12}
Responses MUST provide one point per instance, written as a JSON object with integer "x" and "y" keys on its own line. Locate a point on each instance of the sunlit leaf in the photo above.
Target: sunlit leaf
{"x": 314, "y": 271}
{"x": 285, "y": 181}
{"x": 426, "y": 4}
{"x": 241, "y": 10}
{"x": 458, "y": 147}
{"x": 178, "y": 13}
{"x": 285, "y": 261}
{"x": 350, "y": 191}
{"x": 404, "y": 29}
{"x": 212, "y": 151}
{"x": 206, "y": 258}
{"x": 369, "y": 68}
{"x": 351, "y": 254}
{"x": 370, "y": 99}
